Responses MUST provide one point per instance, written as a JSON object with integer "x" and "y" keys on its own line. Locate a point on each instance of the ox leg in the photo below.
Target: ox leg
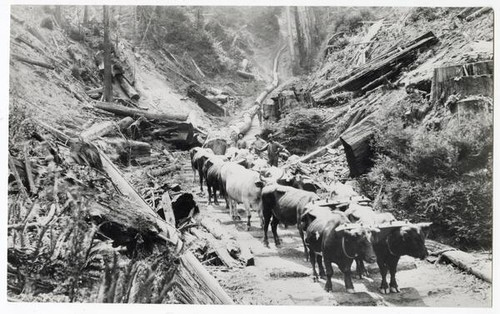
{"x": 312, "y": 259}
{"x": 346, "y": 269}
{"x": 248, "y": 209}
{"x": 393, "y": 265}
{"x": 274, "y": 228}
{"x": 319, "y": 259}
{"x": 267, "y": 219}
{"x": 301, "y": 233}
{"x": 214, "y": 191}
{"x": 201, "y": 183}
{"x": 329, "y": 274}
{"x": 384, "y": 287}
{"x": 209, "y": 189}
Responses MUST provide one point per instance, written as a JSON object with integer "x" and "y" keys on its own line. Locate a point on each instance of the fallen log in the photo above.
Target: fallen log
{"x": 104, "y": 128}
{"x": 129, "y": 148}
{"x": 477, "y": 13}
{"x": 94, "y": 91}
{"x": 33, "y": 62}
{"x": 218, "y": 98}
{"x": 374, "y": 70}
{"x": 466, "y": 12}
{"x": 129, "y": 89}
{"x": 462, "y": 260}
{"x": 246, "y": 75}
{"x": 356, "y": 142}
{"x": 36, "y": 33}
{"x": 244, "y": 124}
{"x": 206, "y": 104}
{"x": 193, "y": 274}
{"x": 135, "y": 113}
{"x": 27, "y": 43}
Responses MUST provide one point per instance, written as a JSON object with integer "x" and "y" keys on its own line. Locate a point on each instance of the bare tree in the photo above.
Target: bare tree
{"x": 108, "y": 88}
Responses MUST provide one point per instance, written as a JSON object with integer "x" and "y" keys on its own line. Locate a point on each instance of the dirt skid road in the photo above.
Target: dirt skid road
{"x": 282, "y": 276}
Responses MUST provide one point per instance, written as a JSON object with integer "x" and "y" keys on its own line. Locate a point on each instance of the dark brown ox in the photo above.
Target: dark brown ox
{"x": 212, "y": 174}
{"x": 284, "y": 204}
{"x": 338, "y": 242}
{"x": 408, "y": 239}
{"x": 199, "y": 156}
{"x": 300, "y": 182}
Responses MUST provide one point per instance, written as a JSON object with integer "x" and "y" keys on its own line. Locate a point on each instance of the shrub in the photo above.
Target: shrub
{"x": 299, "y": 130}
{"x": 423, "y": 13}
{"x": 440, "y": 176}
{"x": 349, "y": 22}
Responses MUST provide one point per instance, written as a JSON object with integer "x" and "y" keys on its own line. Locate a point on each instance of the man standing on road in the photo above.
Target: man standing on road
{"x": 273, "y": 150}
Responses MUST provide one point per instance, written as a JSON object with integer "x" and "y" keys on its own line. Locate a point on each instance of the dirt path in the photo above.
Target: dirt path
{"x": 282, "y": 276}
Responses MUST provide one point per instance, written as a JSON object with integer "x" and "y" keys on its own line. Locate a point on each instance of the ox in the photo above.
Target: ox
{"x": 241, "y": 185}
{"x": 339, "y": 243}
{"x": 299, "y": 182}
{"x": 283, "y": 204}
{"x": 184, "y": 208}
{"x": 408, "y": 239}
{"x": 212, "y": 174}
{"x": 198, "y": 159}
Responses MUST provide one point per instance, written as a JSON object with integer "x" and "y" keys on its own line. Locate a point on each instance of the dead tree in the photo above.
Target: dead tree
{"x": 108, "y": 88}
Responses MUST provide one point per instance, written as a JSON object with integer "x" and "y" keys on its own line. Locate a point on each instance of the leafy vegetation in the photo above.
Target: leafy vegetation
{"x": 299, "y": 130}
{"x": 443, "y": 176}
{"x": 350, "y": 22}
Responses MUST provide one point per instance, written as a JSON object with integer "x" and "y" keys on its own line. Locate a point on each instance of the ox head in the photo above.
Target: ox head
{"x": 410, "y": 240}
{"x": 359, "y": 241}
{"x": 270, "y": 175}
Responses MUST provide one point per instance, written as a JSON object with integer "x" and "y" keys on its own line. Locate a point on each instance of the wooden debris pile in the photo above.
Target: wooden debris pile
{"x": 378, "y": 70}
{"x": 176, "y": 129}
{"x": 218, "y": 248}
{"x": 79, "y": 231}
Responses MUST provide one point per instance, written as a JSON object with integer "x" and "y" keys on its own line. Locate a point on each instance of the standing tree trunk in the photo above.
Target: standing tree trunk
{"x": 108, "y": 88}
{"x": 300, "y": 40}
{"x": 85, "y": 15}
{"x": 58, "y": 15}
{"x": 290, "y": 34}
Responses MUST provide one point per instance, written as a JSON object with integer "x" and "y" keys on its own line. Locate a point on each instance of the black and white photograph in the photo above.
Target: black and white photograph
{"x": 318, "y": 155}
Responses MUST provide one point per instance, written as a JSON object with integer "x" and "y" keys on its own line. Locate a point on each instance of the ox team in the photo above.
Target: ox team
{"x": 329, "y": 236}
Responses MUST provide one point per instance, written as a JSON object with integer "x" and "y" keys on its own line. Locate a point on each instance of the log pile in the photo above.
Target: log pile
{"x": 378, "y": 70}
